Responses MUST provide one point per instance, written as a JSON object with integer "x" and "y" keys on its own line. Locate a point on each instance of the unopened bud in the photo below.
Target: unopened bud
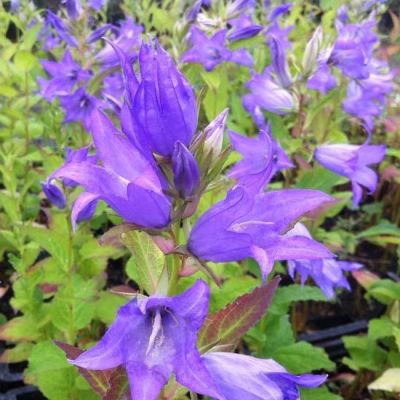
{"x": 312, "y": 51}
{"x": 214, "y": 133}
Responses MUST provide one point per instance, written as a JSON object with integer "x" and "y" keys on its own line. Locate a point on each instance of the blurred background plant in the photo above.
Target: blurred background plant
{"x": 57, "y": 284}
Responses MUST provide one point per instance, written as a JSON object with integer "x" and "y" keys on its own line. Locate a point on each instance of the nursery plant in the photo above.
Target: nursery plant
{"x": 191, "y": 192}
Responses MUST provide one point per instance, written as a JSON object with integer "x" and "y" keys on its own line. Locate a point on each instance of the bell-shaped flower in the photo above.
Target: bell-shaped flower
{"x": 262, "y": 159}
{"x": 366, "y": 98}
{"x": 242, "y": 28}
{"x": 160, "y": 108}
{"x": 212, "y": 51}
{"x": 243, "y": 225}
{"x": 64, "y": 74}
{"x": 154, "y": 338}
{"x": 322, "y": 79}
{"x": 352, "y": 161}
{"x": 186, "y": 171}
{"x": 241, "y": 377}
{"x": 279, "y": 62}
{"x": 79, "y": 107}
{"x": 74, "y": 8}
{"x": 127, "y": 181}
{"x": 266, "y": 94}
{"x": 54, "y": 22}
{"x": 328, "y": 274}
{"x": 54, "y": 194}
{"x": 353, "y": 48}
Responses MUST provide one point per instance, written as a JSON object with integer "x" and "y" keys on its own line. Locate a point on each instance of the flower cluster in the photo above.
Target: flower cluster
{"x": 152, "y": 163}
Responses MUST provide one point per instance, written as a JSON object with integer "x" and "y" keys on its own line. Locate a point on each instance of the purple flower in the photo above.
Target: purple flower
{"x": 186, "y": 171}
{"x": 243, "y": 28}
{"x": 244, "y": 225}
{"x": 74, "y": 8}
{"x": 240, "y": 6}
{"x": 128, "y": 40}
{"x": 154, "y": 338}
{"x": 98, "y": 33}
{"x": 262, "y": 159}
{"x": 212, "y": 51}
{"x": 366, "y": 98}
{"x": 279, "y": 10}
{"x": 53, "y": 21}
{"x": 128, "y": 182}
{"x": 161, "y": 108}
{"x": 353, "y": 48}
{"x": 266, "y": 94}
{"x": 328, "y": 273}
{"x": 54, "y": 194}
{"x": 64, "y": 75}
{"x": 322, "y": 79}
{"x": 79, "y": 107}
{"x": 96, "y": 4}
{"x": 113, "y": 89}
{"x": 352, "y": 162}
{"x": 241, "y": 377}
{"x": 279, "y": 63}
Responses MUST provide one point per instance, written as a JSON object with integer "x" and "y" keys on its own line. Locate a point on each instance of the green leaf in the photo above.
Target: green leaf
{"x": 364, "y": 353}
{"x": 228, "y": 325}
{"x": 319, "y": 178}
{"x": 56, "y": 239}
{"x": 107, "y": 306}
{"x": 293, "y": 358}
{"x": 389, "y": 381}
{"x": 294, "y": 293}
{"x": 321, "y": 393}
{"x": 20, "y": 328}
{"x": 147, "y": 263}
{"x": 380, "y": 327}
{"x": 58, "y": 380}
{"x": 385, "y": 290}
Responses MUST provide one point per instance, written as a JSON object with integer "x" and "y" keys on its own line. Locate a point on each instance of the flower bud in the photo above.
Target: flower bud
{"x": 312, "y": 51}
{"x": 186, "y": 171}
{"x": 214, "y": 133}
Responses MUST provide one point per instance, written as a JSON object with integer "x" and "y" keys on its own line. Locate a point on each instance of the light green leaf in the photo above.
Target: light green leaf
{"x": 147, "y": 262}
{"x": 389, "y": 381}
{"x": 293, "y": 358}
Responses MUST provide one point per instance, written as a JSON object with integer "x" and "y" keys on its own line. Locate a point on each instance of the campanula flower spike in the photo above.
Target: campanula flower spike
{"x": 241, "y": 377}
{"x": 154, "y": 338}
{"x": 262, "y": 159}
{"x": 126, "y": 180}
{"x": 243, "y": 225}
{"x": 328, "y": 273}
{"x": 352, "y": 161}
{"x": 212, "y": 51}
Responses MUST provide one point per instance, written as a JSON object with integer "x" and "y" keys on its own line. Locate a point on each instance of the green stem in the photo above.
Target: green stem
{"x": 174, "y": 279}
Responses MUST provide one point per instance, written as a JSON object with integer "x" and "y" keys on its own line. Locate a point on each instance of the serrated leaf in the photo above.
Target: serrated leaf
{"x": 293, "y": 293}
{"x": 302, "y": 357}
{"x": 228, "y": 325}
{"x": 147, "y": 261}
